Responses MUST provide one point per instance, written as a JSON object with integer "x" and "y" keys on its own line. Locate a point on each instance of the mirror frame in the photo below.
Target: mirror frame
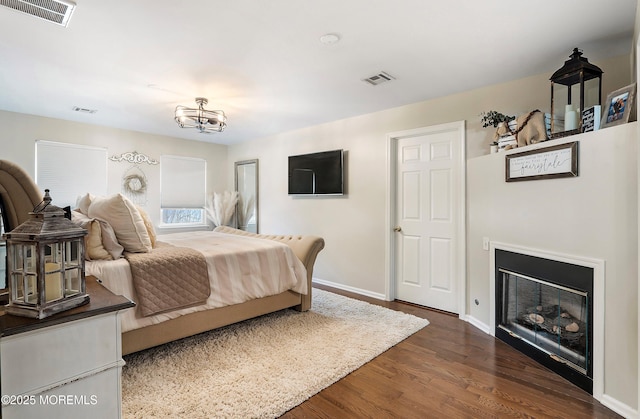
{"x": 237, "y": 166}
{"x": 4, "y": 291}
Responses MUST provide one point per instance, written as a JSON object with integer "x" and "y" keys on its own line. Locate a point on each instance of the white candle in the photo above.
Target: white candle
{"x": 570, "y": 118}
{"x": 52, "y": 282}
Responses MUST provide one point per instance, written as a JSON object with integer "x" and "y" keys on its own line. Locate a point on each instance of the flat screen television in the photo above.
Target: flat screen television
{"x": 317, "y": 173}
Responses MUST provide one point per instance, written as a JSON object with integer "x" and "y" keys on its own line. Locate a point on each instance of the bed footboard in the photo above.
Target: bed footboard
{"x": 305, "y": 247}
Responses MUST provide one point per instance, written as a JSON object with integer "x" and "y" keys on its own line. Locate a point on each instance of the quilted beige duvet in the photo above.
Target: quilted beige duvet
{"x": 169, "y": 278}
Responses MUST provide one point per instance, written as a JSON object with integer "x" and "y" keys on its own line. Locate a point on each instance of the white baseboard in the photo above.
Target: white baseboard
{"x": 343, "y": 287}
{"x": 477, "y": 323}
{"x": 618, "y": 407}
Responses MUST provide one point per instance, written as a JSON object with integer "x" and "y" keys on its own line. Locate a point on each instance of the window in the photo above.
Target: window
{"x": 183, "y": 189}
{"x": 70, "y": 170}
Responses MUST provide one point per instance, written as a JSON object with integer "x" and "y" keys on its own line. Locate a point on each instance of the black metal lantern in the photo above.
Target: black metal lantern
{"x": 45, "y": 263}
{"x": 575, "y": 87}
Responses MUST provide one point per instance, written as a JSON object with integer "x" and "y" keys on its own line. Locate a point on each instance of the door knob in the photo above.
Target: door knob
{"x": 397, "y": 229}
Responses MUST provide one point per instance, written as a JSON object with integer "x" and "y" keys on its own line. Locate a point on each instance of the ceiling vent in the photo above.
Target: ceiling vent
{"x": 84, "y": 110}
{"x": 56, "y": 11}
{"x": 379, "y": 78}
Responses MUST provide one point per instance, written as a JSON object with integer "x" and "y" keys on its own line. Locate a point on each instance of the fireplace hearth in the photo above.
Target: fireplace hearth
{"x": 544, "y": 308}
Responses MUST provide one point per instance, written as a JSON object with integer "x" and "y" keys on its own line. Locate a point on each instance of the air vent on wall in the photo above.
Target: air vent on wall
{"x": 56, "y": 11}
{"x": 379, "y": 78}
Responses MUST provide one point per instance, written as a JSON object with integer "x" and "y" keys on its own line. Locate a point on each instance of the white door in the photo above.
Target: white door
{"x": 429, "y": 216}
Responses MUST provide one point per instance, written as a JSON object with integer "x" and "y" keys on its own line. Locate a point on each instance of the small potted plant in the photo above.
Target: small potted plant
{"x": 494, "y": 118}
{"x": 497, "y": 120}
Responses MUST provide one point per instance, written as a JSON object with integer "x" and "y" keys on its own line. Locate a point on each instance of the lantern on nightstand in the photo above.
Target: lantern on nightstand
{"x": 575, "y": 87}
{"x": 45, "y": 263}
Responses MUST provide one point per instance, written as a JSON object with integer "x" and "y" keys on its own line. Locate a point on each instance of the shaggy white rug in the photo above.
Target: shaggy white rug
{"x": 263, "y": 367}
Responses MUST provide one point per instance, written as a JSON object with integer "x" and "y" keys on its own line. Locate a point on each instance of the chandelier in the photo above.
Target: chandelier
{"x": 205, "y": 121}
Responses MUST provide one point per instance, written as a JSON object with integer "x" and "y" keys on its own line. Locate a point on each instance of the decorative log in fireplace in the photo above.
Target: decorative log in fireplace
{"x": 556, "y": 321}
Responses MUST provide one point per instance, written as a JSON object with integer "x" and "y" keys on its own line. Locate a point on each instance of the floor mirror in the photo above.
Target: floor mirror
{"x": 247, "y": 186}
{"x": 4, "y": 294}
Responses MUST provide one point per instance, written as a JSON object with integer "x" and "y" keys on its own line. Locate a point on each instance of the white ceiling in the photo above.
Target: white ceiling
{"x": 262, "y": 61}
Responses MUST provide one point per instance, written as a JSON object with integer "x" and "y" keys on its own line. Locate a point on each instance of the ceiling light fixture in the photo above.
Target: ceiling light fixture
{"x": 204, "y": 120}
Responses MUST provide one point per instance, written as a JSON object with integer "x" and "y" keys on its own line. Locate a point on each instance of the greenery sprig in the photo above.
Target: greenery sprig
{"x": 493, "y": 118}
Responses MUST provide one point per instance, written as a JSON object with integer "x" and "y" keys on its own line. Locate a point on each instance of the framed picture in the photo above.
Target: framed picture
{"x": 544, "y": 163}
{"x": 618, "y": 106}
{"x": 591, "y": 119}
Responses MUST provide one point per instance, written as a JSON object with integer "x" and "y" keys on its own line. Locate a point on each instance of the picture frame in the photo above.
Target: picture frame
{"x": 591, "y": 118}
{"x": 618, "y": 106}
{"x": 556, "y": 161}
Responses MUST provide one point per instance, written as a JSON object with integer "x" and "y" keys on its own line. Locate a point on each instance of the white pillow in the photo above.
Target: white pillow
{"x": 124, "y": 217}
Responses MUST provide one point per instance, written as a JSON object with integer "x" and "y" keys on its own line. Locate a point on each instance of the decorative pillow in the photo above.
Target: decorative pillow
{"x": 93, "y": 240}
{"x": 149, "y": 225}
{"x": 83, "y": 204}
{"x": 109, "y": 239}
{"x": 123, "y": 216}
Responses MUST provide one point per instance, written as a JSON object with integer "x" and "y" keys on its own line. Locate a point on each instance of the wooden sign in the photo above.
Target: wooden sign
{"x": 544, "y": 163}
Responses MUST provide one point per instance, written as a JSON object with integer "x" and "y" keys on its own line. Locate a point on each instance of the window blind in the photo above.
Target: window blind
{"x": 183, "y": 182}
{"x": 70, "y": 170}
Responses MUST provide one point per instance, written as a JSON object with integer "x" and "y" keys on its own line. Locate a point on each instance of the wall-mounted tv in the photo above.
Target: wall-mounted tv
{"x": 317, "y": 173}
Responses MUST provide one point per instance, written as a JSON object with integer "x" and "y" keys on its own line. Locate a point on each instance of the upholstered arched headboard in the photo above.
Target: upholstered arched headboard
{"x": 19, "y": 194}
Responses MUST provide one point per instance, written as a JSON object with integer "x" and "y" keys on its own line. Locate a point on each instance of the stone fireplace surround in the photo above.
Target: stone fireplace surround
{"x": 597, "y": 265}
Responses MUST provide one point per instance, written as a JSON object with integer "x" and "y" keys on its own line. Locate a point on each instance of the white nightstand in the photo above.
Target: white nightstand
{"x": 67, "y": 365}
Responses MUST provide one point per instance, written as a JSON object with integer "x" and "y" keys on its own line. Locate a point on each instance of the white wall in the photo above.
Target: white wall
{"x": 594, "y": 215}
{"x": 635, "y": 63}
{"x": 354, "y": 226}
{"x": 19, "y": 132}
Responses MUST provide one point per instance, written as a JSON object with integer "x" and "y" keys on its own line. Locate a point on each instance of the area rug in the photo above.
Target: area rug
{"x": 263, "y": 367}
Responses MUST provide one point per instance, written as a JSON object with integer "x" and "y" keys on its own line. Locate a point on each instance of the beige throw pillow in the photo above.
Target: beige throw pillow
{"x": 83, "y": 203}
{"x": 124, "y": 217}
{"x": 94, "y": 249}
{"x": 149, "y": 225}
{"x": 109, "y": 239}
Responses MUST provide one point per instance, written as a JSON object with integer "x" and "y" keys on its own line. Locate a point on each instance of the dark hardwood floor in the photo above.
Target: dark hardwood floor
{"x": 449, "y": 369}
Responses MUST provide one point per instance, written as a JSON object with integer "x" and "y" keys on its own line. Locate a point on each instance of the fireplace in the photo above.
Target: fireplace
{"x": 544, "y": 308}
